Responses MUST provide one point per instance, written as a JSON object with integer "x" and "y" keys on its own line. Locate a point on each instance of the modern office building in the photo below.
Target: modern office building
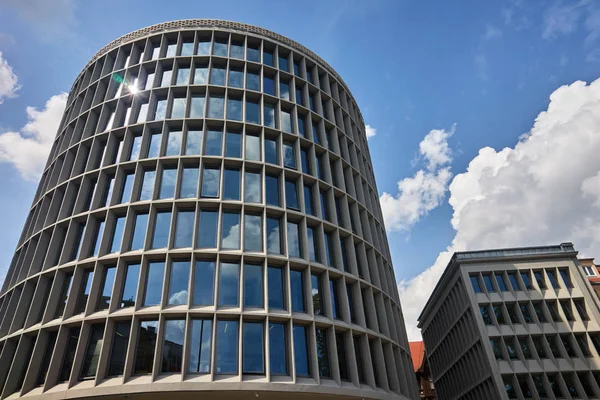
{"x": 207, "y": 221}
{"x": 591, "y": 271}
{"x": 518, "y": 323}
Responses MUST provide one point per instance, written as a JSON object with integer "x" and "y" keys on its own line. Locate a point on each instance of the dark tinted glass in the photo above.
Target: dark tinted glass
{"x": 277, "y": 349}
{"x": 341, "y": 353}
{"x": 253, "y": 348}
{"x": 144, "y": 357}
{"x": 130, "y": 286}
{"x": 301, "y": 351}
{"x": 272, "y": 190}
{"x": 233, "y": 145}
{"x": 92, "y": 353}
{"x": 253, "y": 285}
{"x": 231, "y": 184}
{"x": 297, "y": 285}
{"x": 291, "y": 195}
{"x": 207, "y": 229}
{"x": 108, "y": 280}
{"x": 275, "y": 292}
{"x": 274, "y": 242}
{"x": 69, "y": 357}
{"x": 84, "y": 292}
{"x": 118, "y": 352}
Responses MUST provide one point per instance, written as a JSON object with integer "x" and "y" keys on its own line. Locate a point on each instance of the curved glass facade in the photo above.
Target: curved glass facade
{"x": 208, "y": 214}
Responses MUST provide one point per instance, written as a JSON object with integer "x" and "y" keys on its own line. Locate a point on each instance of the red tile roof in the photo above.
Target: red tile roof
{"x": 417, "y": 350}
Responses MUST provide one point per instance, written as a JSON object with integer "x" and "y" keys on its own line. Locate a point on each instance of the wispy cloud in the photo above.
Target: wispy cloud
{"x": 492, "y": 32}
{"x": 9, "y": 83}
{"x": 370, "y": 131}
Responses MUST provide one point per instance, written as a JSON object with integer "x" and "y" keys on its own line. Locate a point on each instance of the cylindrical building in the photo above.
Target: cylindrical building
{"x": 207, "y": 221}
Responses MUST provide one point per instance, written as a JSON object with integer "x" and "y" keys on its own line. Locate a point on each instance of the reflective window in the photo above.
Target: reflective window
{"x": 274, "y": 242}
{"x": 136, "y": 147}
{"x": 210, "y": 182}
{"x": 351, "y": 305}
{"x": 271, "y": 151}
{"x": 252, "y": 53}
{"x": 92, "y": 352}
{"x": 108, "y": 281}
{"x": 269, "y": 115}
{"x": 231, "y": 184}
{"x": 120, "y": 342}
{"x": 313, "y": 245}
{"x": 526, "y": 277}
{"x": 252, "y": 187}
{"x": 130, "y": 286}
{"x": 564, "y": 274}
{"x": 220, "y": 48}
{"x": 315, "y": 129}
{"x": 230, "y": 231}
{"x": 499, "y": 314}
{"x": 268, "y": 85}
{"x": 526, "y": 313}
{"x": 283, "y": 63}
{"x": 154, "y": 284}
{"x": 539, "y": 277}
{"x": 277, "y": 349}
{"x": 207, "y": 229}
{"x": 217, "y": 76}
{"x": 253, "y": 233}
{"x": 197, "y": 107}
{"x": 117, "y": 234}
{"x": 297, "y": 285}
{"x": 178, "y": 283}
{"x": 216, "y": 105}
{"x": 284, "y": 90}
{"x": 335, "y": 298}
{"x": 323, "y": 353}
{"x": 84, "y": 291}
{"x": 234, "y": 109}
{"x": 268, "y": 58}
{"x": 47, "y": 357}
{"x": 201, "y": 75}
{"x": 149, "y": 81}
{"x": 161, "y": 110}
{"x": 98, "y": 238}
{"x": 144, "y": 356}
{"x": 253, "y": 285}
{"x": 291, "y": 195}
{"x": 488, "y": 283}
{"x": 236, "y": 78}
{"x": 308, "y": 200}
{"x": 552, "y": 279}
{"x": 166, "y": 78}
{"x": 173, "y": 143}
{"x": 272, "y": 190}
{"x": 252, "y": 112}
{"x": 301, "y": 351}
{"x": 200, "y": 346}
{"x": 189, "y": 183}
{"x": 204, "y": 283}
{"x": 301, "y": 130}
{"x": 485, "y": 314}
{"x": 203, "y": 48}
{"x": 253, "y": 348}
{"x": 500, "y": 282}
{"x": 187, "y": 49}
{"x": 233, "y": 145}
{"x": 154, "y": 146}
{"x": 214, "y": 143}
{"x": 178, "y": 110}
{"x": 162, "y": 226}
{"x": 512, "y": 277}
{"x": 299, "y": 97}
{"x": 286, "y": 121}
{"x": 293, "y": 240}
{"x": 252, "y": 81}
{"x": 193, "y": 144}
{"x": 69, "y": 357}
{"x": 172, "y": 350}
{"x": 316, "y": 293}
{"x": 305, "y": 162}
{"x": 171, "y": 50}
{"x": 252, "y": 149}
{"x": 147, "y": 185}
{"x": 297, "y": 68}
{"x": 289, "y": 155}
{"x": 229, "y": 281}
{"x": 275, "y": 292}
{"x": 167, "y": 183}
{"x": 226, "y": 351}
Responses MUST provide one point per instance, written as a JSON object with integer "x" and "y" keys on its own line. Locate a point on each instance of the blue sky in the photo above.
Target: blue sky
{"x": 476, "y": 73}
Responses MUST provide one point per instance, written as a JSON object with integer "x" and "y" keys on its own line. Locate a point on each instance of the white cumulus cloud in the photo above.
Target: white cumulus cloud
{"x": 425, "y": 190}
{"x": 27, "y": 150}
{"x": 9, "y": 83}
{"x": 544, "y": 190}
{"x": 370, "y": 131}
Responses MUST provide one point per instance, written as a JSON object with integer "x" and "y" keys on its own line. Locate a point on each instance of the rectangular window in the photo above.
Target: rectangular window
{"x": 130, "y": 286}
{"x": 233, "y": 145}
{"x": 487, "y": 280}
{"x": 308, "y": 200}
{"x": 217, "y": 76}
{"x": 184, "y": 231}
{"x": 193, "y": 145}
{"x": 341, "y": 353}
{"x": 146, "y": 193}
{"x": 200, "y": 346}
{"x": 167, "y": 183}
{"x": 117, "y": 236}
{"x": 154, "y": 146}
{"x": 234, "y": 109}
{"x": 272, "y": 190}
{"x": 316, "y": 293}
{"x": 203, "y": 47}
{"x": 323, "y": 353}
{"x": 289, "y": 155}
{"x": 274, "y": 242}
{"x": 301, "y": 360}
{"x": 324, "y": 205}
{"x": 143, "y": 113}
{"x": 216, "y": 105}
{"x": 313, "y": 245}
{"x": 204, "y": 291}
{"x": 553, "y": 310}
{"x": 567, "y": 309}
{"x": 581, "y": 310}
{"x": 64, "y": 295}
{"x": 210, "y": 181}
{"x": 253, "y": 285}
{"x": 69, "y": 357}
{"x": 271, "y": 155}
{"x": 92, "y": 352}
{"x": 283, "y": 63}
{"x": 485, "y": 314}
{"x": 497, "y": 349}
{"x": 231, "y": 184}
{"x": 297, "y": 285}
{"x": 552, "y": 279}
{"x": 47, "y": 357}
{"x": 268, "y": 85}
{"x": 500, "y": 282}
{"x": 566, "y": 278}
{"x": 220, "y": 48}
{"x": 498, "y": 313}
{"x": 144, "y": 356}
{"x": 539, "y": 277}
{"x": 526, "y": 277}
{"x": 511, "y": 348}
{"x": 252, "y": 81}
{"x": 526, "y": 313}
{"x": 178, "y": 283}
{"x": 108, "y": 281}
{"x": 277, "y": 349}
{"x": 136, "y": 147}
{"x": 162, "y": 225}
{"x": 252, "y": 54}
{"x": 214, "y": 143}
{"x": 293, "y": 240}
{"x": 275, "y": 292}
{"x": 229, "y": 282}
{"x": 359, "y": 359}
{"x": 286, "y": 121}
{"x": 252, "y": 112}
{"x": 539, "y": 345}
{"x": 253, "y": 348}
{"x": 537, "y": 307}
{"x": 269, "y": 115}
{"x": 252, "y": 187}
{"x": 230, "y": 231}
{"x": 512, "y": 277}
{"x": 154, "y": 284}
{"x": 207, "y": 229}
{"x": 226, "y": 352}
{"x": 236, "y": 77}
{"x": 284, "y": 90}
{"x": 116, "y": 364}
{"x": 161, "y": 110}
{"x": 172, "y": 349}
{"x": 253, "y": 233}
{"x": 305, "y": 162}
{"x": 335, "y": 298}
{"x": 291, "y": 195}
{"x": 252, "y": 149}
{"x": 84, "y": 291}
{"x": 189, "y": 183}
{"x": 178, "y": 110}
{"x": 475, "y": 284}
{"x": 187, "y": 49}
{"x": 174, "y": 143}
{"x": 197, "y": 106}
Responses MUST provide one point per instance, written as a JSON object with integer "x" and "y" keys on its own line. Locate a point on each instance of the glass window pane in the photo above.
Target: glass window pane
{"x": 167, "y": 184}
{"x": 308, "y": 200}
{"x": 275, "y": 292}
{"x": 207, "y": 229}
{"x": 253, "y": 348}
{"x": 214, "y": 143}
{"x": 171, "y": 50}
{"x": 291, "y": 195}
{"x": 231, "y": 184}
{"x": 253, "y": 285}
{"x": 283, "y": 63}
{"x": 200, "y": 346}
{"x": 252, "y": 112}
{"x": 272, "y": 190}
{"x": 130, "y": 286}
{"x": 189, "y": 183}
{"x": 69, "y": 355}
{"x": 217, "y": 76}
{"x": 166, "y": 78}
{"x": 271, "y": 151}
{"x": 233, "y": 145}
{"x": 289, "y": 155}
{"x": 301, "y": 351}
{"x": 277, "y": 349}
{"x": 297, "y": 285}
{"x": 324, "y": 205}
{"x": 227, "y": 347}
{"x": 252, "y": 148}
{"x": 117, "y": 234}
{"x": 305, "y": 162}
{"x": 197, "y": 107}
{"x": 229, "y": 280}
{"x": 323, "y": 353}
{"x": 274, "y": 242}
{"x": 204, "y": 283}
{"x": 154, "y": 147}
{"x": 154, "y": 283}
{"x": 316, "y": 294}
{"x": 216, "y": 106}
{"x": 116, "y": 365}
{"x": 172, "y": 351}
{"x": 335, "y": 299}
{"x": 136, "y": 147}
{"x": 161, "y": 110}
{"x": 284, "y": 90}
{"x": 174, "y": 143}
{"x": 144, "y": 357}
{"x": 210, "y": 182}
{"x": 178, "y": 110}
{"x": 475, "y": 284}
{"x": 108, "y": 281}
{"x": 252, "y": 187}
{"x": 84, "y": 293}
{"x": 268, "y": 85}
{"x": 203, "y": 48}
{"x": 301, "y": 130}
{"x": 268, "y": 58}
{"x": 147, "y": 185}
{"x": 178, "y": 284}
{"x": 293, "y": 240}
{"x": 253, "y": 233}
{"x": 269, "y": 115}
{"x": 220, "y": 48}
{"x": 230, "y": 231}
{"x": 234, "y": 109}
{"x": 162, "y": 226}
{"x": 236, "y": 78}
{"x": 252, "y": 81}
{"x": 286, "y": 121}
{"x": 193, "y": 144}
{"x": 252, "y": 54}
{"x": 98, "y": 238}
{"x": 187, "y": 49}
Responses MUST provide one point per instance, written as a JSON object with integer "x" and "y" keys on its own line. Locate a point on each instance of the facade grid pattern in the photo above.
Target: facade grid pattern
{"x": 208, "y": 215}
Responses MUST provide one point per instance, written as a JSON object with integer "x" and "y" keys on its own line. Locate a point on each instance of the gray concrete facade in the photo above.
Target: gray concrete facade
{"x": 208, "y": 221}
{"x": 518, "y": 323}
